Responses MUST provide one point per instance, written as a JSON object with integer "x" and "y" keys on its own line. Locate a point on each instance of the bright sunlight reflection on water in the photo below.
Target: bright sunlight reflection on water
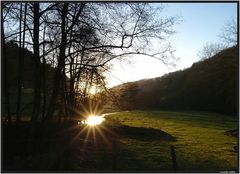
{"x": 94, "y": 120}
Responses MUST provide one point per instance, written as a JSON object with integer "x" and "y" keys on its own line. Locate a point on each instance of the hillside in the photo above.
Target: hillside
{"x": 12, "y": 61}
{"x": 209, "y": 85}
{"x": 12, "y": 52}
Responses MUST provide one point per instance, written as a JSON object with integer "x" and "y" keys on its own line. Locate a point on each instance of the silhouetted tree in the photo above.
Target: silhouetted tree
{"x": 229, "y": 32}
{"x": 21, "y": 60}
{"x": 86, "y": 45}
{"x": 210, "y": 49}
{"x": 4, "y": 66}
{"x": 36, "y": 56}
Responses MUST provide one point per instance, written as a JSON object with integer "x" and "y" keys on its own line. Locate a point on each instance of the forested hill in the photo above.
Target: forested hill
{"x": 209, "y": 85}
{"x": 12, "y": 61}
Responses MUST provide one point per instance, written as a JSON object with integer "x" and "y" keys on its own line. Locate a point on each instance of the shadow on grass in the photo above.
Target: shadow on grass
{"x": 142, "y": 133}
{"x": 53, "y": 150}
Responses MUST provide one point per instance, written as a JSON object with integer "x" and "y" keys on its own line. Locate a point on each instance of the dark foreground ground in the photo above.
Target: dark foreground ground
{"x": 58, "y": 147}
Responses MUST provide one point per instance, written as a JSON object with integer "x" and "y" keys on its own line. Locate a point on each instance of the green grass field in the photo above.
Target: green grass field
{"x": 200, "y": 143}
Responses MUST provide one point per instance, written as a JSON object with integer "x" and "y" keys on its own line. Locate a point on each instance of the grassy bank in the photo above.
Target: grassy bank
{"x": 200, "y": 141}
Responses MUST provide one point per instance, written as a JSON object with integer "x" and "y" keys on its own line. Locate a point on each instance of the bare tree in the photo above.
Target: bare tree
{"x": 4, "y": 66}
{"x": 229, "y": 32}
{"x": 210, "y": 49}
{"x": 21, "y": 61}
{"x": 119, "y": 36}
{"x": 44, "y": 87}
{"x": 19, "y": 94}
{"x": 228, "y": 38}
{"x": 60, "y": 65}
{"x": 36, "y": 55}
{"x": 91, "y": 36}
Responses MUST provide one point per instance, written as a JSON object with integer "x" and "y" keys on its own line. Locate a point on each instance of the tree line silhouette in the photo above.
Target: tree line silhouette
{"x": 76, "y": 41}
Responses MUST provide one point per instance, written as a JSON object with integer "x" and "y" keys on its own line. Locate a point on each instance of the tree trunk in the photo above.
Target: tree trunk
{"x": 21, "y": 63}
{"x": 37, "y": 74}
{"x": 19, "y": 94}
{"x": 4, "y": 68}
{"x": 44, "y": 80}
{"x": 71, "y": 81}
{"x": 61, "y": 61}
{"x": 65, "y": 95}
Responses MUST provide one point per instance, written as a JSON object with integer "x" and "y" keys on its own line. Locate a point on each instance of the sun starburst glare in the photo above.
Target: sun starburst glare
{"x": 93, "y": 120}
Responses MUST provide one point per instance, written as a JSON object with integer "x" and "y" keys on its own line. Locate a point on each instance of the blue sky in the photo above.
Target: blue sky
{"x": 201, "y": 23}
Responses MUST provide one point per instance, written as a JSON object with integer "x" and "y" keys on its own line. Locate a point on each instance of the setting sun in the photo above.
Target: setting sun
{"x": 94, "y": 120}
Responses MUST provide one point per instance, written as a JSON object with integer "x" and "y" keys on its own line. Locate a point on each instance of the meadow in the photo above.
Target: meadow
{"x": 143, "y": 139}
{"x": 200, "y": 141}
